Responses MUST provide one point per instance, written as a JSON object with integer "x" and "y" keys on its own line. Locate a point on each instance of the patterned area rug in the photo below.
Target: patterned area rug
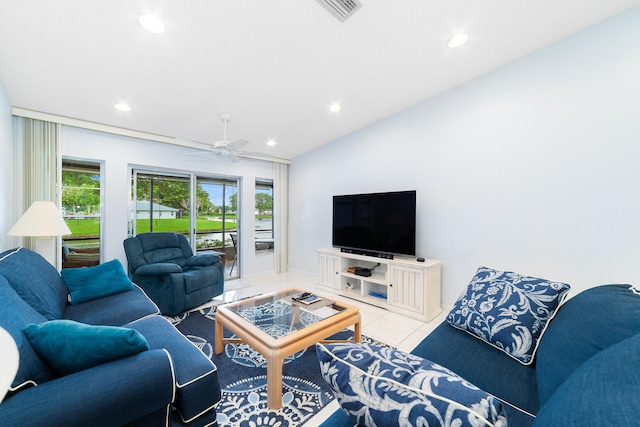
{"x": 242, "y": 374}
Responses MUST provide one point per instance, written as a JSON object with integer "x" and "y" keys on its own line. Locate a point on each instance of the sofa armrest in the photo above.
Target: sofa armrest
{"x": 158, "y": 269}
{"x": 202, "y": 260}
{"x": 114, "y": 393}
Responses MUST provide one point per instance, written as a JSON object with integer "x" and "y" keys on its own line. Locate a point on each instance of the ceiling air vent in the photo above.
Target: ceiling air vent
{"x": 341, "y": 9}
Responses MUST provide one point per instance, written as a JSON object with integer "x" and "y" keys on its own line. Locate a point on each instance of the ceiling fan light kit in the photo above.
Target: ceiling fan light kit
{"x": 229, "y": 150}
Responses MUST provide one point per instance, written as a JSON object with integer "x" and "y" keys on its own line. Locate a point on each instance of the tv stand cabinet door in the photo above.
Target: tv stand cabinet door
{"x": 406, "y": 291}
{"x": 328, "y": 271}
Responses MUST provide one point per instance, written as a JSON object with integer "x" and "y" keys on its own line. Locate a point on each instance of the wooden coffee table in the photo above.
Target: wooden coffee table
{"x": 277, "y": 327}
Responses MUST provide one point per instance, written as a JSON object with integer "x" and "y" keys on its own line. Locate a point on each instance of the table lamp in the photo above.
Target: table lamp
{"x": 43, "y": 221}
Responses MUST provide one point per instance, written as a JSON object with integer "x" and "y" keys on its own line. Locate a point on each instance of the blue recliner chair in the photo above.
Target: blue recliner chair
{"x": 164, "y": 266}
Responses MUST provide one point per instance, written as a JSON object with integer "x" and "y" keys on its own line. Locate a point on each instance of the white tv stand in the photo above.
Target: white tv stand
{"x": 411, "y": 288}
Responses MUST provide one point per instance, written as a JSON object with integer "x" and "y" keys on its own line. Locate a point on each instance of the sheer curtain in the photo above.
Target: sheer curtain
{"x": 281, "y": 214}
{"x": 38, "y": 153}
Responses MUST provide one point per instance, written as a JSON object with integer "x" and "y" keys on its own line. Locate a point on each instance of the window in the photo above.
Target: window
{"x": 264, "y": 215}
{"x": 162, "y": 203}
{"x": 81, "y": 202}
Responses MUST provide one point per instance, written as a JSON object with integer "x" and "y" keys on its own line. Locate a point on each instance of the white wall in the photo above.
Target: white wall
{"x": 6, "y": 170}
{"x": 532, "y": 168}
{"x": 119, "y": 153}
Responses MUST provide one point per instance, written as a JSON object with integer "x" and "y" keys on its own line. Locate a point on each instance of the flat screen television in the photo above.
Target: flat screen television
{"x": 376, "y": 224}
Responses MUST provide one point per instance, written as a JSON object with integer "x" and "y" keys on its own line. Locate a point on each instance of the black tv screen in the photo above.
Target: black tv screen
{"x": 377, "y": 222}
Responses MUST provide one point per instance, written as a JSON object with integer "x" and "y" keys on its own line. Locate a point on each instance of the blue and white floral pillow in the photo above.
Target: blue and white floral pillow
{"x": 378, "y": 386}
{"x": 508, "y": 310}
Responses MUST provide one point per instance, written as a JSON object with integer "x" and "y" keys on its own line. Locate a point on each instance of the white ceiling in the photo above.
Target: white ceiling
{"x": 276, "y": 65}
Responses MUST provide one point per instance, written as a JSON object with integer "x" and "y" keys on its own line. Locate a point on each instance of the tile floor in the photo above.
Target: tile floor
{"x": 401, "y": 332}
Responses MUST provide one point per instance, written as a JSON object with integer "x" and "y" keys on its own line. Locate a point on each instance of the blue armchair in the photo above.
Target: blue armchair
{"x": 164, "y": 266}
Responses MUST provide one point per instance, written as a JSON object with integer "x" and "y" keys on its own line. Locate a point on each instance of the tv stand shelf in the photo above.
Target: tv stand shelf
{"x": 400, "y": 285}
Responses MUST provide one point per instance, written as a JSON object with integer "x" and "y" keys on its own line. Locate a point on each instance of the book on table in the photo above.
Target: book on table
{"x": 306, "y": 298}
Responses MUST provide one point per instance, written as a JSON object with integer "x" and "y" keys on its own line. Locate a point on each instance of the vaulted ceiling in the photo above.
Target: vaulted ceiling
{"x": 276, "y": 66}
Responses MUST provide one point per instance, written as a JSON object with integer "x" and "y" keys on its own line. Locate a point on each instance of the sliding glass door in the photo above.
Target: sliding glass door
{"x": 217, "y": 226}
{"x": 203, "y": 209}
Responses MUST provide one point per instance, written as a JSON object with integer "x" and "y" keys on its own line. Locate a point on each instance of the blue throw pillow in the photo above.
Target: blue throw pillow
{"x": 508, "y": 310}
{"x": 88, "y": 283}
{"x": 70, "y": 346}
{"x": 386, "y": 387}
{"x": 602, "y": 392}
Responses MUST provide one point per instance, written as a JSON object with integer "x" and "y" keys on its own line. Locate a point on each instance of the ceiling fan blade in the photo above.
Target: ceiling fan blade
{"x": 198, "y": 153}
{"x": 255, "y": 154}
{"x": 238, "y": 143}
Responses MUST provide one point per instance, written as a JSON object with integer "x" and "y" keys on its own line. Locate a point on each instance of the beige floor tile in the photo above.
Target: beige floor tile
{"x": 406, "y": 321}
{"x": 368, "y": 308}
{"x": 409, "y": 343}
{"x": 390, "y": 333}
{"x": 367, "y": 318}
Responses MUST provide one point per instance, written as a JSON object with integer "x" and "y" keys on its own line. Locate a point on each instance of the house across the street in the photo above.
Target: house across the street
{"x": 143, "y": 208}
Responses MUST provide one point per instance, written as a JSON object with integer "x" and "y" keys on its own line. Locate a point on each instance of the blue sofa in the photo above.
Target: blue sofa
{"x": 164, "y": 265}
{"x": 170, "y": 383}
{"x": 586, "y": 371}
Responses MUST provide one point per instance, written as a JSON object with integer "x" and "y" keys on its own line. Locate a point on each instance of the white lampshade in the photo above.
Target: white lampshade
{"x": 42, "y": 219}
{"x": 10, "y": 359}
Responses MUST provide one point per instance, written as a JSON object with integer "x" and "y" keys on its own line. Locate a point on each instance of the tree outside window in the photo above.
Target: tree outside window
{"x": 81, "y": 201}
{"x": 264, "y": 215}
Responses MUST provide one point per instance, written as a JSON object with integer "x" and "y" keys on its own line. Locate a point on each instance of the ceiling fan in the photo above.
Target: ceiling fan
{"x": 228, "y": 150}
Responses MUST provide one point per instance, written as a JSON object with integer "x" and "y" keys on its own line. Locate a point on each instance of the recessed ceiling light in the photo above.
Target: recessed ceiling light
{"x": 151, "y": 23}
{"x": 122, "y": 107}
{"x": 458, "y": 40}
{"x": 335, "y": 108}
{"x": 271, "y": 143}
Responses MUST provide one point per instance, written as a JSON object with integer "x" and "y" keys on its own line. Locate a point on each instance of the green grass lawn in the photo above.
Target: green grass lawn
{"x": 91, "y": 226}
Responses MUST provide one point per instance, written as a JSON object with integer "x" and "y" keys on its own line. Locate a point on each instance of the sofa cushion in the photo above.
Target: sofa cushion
{"x": 169, "y": 255}
{"x": 15, "y": 314}
{"x": 485, "y": 367}
{"x": 71, "y": 346}
{"x": 601, "y": 392}
{"x": 113, "y": 310}
{"x": 508, "y": 310}
{"x": 588, "y": 323}
{"x": 162, "y": 247}
{"x": 159, "y": 269}
{"x": 383, "y": 386}
{"x": 88, "y": 283}
{"x": 35, "y": 280}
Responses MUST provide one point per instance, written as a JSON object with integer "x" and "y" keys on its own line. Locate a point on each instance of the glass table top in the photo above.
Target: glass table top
{"x": 279, "y": 314}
